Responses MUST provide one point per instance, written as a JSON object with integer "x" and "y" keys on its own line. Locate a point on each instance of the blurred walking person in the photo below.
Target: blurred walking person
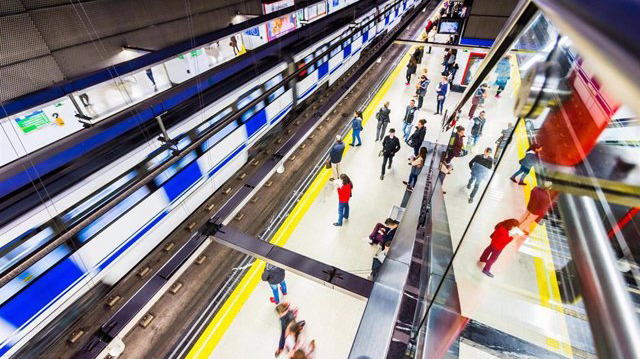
{"x": 530, "y": 159}
{"x": 502, "y": 235}
{"x": 407, "y": 121}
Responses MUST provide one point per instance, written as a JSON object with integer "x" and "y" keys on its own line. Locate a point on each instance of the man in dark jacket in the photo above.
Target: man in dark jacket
{"x": 455, "y": 144}
{"x": 383, "y": 120}
{"x": 335, "y": 157}
{"x": 422, "y": 90}
{"x": 480, "y": 167}
{"x": 476, "y": 129}
{"x": 408, "y": 119}
{"x": 275, "y": 276}
{"x": 417, "y": 137}
{"x": 390, "y": 145}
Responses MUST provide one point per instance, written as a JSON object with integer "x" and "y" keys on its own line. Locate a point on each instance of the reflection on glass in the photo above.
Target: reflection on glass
{"x": 512, "y": 285}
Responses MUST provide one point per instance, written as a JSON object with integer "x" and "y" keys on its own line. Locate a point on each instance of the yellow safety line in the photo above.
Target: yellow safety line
{"x": 545, "y": 270}
{"x": 227, "y": 313}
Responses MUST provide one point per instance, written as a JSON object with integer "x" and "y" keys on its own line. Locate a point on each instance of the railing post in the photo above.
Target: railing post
{"x": 612, "y": 317}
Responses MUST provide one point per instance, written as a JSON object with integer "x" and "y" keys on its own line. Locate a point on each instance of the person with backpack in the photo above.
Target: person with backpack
{"x": 529, "y": 160}
{"x": 383, "y": 118}
{"x": 418, "y": 53}
{"x": 335, "y": 157}
{"x": 417, "y": 137}
{"x": 502, "y": 235}
{"x": 441, "y": 92}
{"x": 480, "y": 167}
{"x": 407, "y": 121}
{"x": 456, "y": 145}
{"x": 390, "y": 145}
{"x": 412, "y": 66}
{"x": 275, "y": 277}
{"x": 356, "y": 127}
{"x": 478, "y": 99}
{"x": 345, "y": 188}
{"x": 476, "y": 128}
{"x": 540, "y": 200}
{"x": 416, "y": 167}
{"x": 421, "y": 89}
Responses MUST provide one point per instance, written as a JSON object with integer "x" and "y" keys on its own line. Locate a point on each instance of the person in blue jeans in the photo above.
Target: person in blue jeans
{"x": 344, "y": 195}
{"x": 441, "y": 92}
{"x": 407, "y": 121}
{"x": 529, "y": 160}
{"x": 275, "y": 277}
{"x": 476, "y": 129}
{"x": 356, "y": 126}
{"x": 480, "y": 167}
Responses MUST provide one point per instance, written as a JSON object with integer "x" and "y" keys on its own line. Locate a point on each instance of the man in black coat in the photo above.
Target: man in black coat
{"x": 390, "y": 145}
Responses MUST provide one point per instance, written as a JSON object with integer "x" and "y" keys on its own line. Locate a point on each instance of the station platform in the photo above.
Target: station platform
{"x": 522, "y": 300}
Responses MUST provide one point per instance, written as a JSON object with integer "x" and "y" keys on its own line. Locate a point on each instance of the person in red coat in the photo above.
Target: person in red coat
{"x": 540, "y": 200}
{"x": 500, "y": 237}
{"x": 344, "y": 194}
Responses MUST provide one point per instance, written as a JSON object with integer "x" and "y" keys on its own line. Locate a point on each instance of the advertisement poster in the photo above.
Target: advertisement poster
{"x": 475, "y": 59}
{"x": 277, "y": 5}
{"x": 280, "y": 26}
{"x": 33, "y": 121}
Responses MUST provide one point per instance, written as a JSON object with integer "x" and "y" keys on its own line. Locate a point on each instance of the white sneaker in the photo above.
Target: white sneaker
{"x": 367, "y": 240}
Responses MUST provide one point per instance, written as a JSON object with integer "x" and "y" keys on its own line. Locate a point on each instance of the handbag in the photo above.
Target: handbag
{"x": 327, "y": 164}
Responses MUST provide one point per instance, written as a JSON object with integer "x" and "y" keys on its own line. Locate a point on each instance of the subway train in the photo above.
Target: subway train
{"x": 108, "y": 248}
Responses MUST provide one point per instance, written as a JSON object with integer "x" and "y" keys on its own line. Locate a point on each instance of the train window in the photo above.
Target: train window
{"x": 214, "y": 119}
{"x": 169, "y": 172}
{"x": 269, "y": 84}
{"x": 184, "y": 142}
{"x": 307, "y": 60}
{"x": 74, "y": 213}
{"x": 219, "y": 135}
{"x": 29, "y": 244}
{"x": 157, "y": 159}
{"x": 247, "y": 98}
{"x": 251, "y": 111}
{"x": 33, "y": 272}
{"x": 111, "y": 215}
{"x": 335, "y": 51}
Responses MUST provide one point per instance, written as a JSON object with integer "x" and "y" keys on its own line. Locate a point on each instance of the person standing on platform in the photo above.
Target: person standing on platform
{"x": 431, "y": 36}
{"x": 407, "y": 121}
{"x": 421, "y": 90}
{"x": 452, "y": 72}
{"x": 416, "y": 167}
{"x": 456, "y": 143}
{"x": 478, "y": 99}
{"x": 335, "y": 157}
{"x": 503, "y": 234}
{"x": 504, "y": 74}
{"x": 441, "y": 92}
{"x": 383, "y": 118}
{"x": 480, "y": 167}
{"x": 501, "y": 142}
{"x": 540, "y": 200}
{"x": 529, "y": 160}
{"x": 149, "y": 73}
{"x": 275, "y": 277}
{"x": 345, "y": 188}
{"x": 445, "y": 169}
{"x": 390, "y": 145}
{"x": 411, "y": 69}
{"x": 356, "y": 127}
{"x": 417, "y": 137}
{"x": 451, "y": 59}
{"x": 418, "y": 53}
{"x": 476, "y": 128}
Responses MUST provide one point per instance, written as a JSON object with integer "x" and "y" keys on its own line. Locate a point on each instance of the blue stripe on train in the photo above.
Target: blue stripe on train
{"x": 226, "y": 160}
{"x": 323, "y": 69}
{"x": 347, "y": 51}
{"x": 131, "y": 241}
{"x": 256, "y": 122}
{"x": 311, "y": 89}
{"x": 40, "y": 293}
{"x": 181, "y": 181}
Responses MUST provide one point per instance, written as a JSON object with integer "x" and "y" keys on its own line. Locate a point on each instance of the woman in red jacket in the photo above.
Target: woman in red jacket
{"x": 499, "y": 239}
{"x": 344, "y": 194}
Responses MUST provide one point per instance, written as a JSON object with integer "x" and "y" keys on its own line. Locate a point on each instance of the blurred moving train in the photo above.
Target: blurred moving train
{"x": 114, "y": 243}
